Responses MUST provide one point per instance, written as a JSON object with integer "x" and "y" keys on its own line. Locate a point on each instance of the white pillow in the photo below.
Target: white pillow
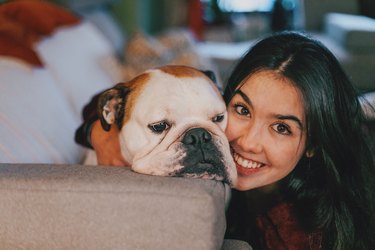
{"x": 82, "y": 60}
{"x": 37, "y": 123}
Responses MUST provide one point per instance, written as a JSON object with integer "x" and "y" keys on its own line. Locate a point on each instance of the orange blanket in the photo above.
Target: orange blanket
{"x": 25, "y": 22}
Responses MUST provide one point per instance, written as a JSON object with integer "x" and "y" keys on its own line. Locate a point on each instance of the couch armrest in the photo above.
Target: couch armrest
{"x": 93, "y": 207}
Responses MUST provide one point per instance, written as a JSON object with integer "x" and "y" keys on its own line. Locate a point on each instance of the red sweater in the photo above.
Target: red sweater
{"x": 267, "y": 221}
{"x": 281, "y": 230}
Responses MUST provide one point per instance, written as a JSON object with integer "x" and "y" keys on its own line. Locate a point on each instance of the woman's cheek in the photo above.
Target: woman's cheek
{"x": 230, "y": 129}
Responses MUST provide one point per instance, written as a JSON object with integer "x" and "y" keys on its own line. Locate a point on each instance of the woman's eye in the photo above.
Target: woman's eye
{"x": 159, "y": 127}
{"x": 282, "y": 129}
{"x": 218, "y": 118}
{"x": 241, "y": 110}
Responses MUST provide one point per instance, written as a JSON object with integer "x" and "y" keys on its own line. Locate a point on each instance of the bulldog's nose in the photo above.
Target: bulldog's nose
{"x": 196, "y": 136}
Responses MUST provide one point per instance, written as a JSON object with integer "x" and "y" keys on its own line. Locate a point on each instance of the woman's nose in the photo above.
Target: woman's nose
{"x": 251, "y": 140}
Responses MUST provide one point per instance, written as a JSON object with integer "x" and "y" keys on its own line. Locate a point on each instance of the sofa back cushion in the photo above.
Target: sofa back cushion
{"x": 41, "y": 106}
{"x": 36, "y": 121}
{"x": 81, "y": 60}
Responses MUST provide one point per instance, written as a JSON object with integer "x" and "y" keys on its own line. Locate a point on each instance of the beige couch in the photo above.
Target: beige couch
{"x": 88, "y": 207}
{"x": 347, "y": 33}
{"x": 48, "y": 200}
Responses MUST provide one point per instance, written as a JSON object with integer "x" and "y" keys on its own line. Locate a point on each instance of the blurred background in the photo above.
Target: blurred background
{"x": 74, "y": 49}
{"x": 224, "y": 29}
{"x": 238, "y": 19}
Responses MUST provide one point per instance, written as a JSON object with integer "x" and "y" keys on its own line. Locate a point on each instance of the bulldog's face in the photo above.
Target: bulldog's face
{"x": 172, "y": 122}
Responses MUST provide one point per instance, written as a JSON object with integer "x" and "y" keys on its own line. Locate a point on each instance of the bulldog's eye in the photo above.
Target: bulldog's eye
{"x": 218, "y": 118}
{"x": 159, "y": 127}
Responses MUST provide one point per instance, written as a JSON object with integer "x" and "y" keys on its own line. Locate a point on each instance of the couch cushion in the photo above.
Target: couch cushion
{"x": 37, "y": 123}
{"x": 356, "y": 33}
{"x": 90, "y": 207}
{"x": 82, "y": 61}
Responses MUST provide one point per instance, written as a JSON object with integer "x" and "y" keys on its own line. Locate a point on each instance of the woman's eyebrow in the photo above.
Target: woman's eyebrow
{"x": 291, "y": 118}
{"x": 244, "y": 96}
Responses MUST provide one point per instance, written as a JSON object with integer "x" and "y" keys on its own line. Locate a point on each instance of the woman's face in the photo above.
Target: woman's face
{"x": 266, "y": 129}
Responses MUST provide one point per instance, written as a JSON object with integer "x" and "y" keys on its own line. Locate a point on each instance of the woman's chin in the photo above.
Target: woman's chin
{"x": 245, "y": 183}
{"x": 248, "y": 178}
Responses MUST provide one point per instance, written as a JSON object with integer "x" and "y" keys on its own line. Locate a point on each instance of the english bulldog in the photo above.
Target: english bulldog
{"x": 172, "y": 121}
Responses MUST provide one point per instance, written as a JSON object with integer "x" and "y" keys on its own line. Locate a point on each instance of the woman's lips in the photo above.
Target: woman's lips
{"x": 246, "y": 166}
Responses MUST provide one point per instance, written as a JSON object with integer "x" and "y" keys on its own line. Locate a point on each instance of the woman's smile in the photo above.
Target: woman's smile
{"x": 246, "y": 166}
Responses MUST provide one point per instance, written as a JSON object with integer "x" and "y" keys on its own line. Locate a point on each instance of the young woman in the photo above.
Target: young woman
{"x": 305, "y": 172}
{"x": 294, "y": 124}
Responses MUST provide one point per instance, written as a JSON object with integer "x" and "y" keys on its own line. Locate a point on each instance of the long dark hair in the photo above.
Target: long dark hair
{"x": 332, "y": 189}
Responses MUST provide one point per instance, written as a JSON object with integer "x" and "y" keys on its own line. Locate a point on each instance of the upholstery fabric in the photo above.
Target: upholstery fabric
{"x": 89, "y": 207}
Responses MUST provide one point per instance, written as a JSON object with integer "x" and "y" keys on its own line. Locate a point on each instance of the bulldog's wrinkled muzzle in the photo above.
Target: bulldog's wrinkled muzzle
{"x": 203, "y": 158}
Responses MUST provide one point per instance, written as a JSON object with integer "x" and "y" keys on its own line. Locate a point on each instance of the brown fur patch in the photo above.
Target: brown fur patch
{"x": 136, "y": 86}
{"x": 182, "y": 71}
{"x": 186, "y": 71}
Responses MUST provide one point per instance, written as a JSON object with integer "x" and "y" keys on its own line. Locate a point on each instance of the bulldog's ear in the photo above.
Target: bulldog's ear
{"x": 111, "y": 106}
{"x": 210, "y": 74}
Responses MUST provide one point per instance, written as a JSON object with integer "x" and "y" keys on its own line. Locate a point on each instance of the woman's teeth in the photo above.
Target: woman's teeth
{"x": 245, "y": 162}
